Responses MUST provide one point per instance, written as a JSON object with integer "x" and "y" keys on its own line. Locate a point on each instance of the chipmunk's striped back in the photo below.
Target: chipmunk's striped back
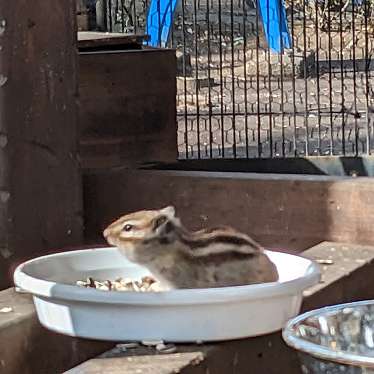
{"x": 213, "y": 257}
{"x": 218, "y": 240}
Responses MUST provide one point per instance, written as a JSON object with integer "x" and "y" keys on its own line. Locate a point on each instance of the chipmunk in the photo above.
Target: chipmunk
{"x": 178, "y": 258}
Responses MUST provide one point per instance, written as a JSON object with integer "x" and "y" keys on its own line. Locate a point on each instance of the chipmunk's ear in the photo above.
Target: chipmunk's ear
{"x": 169, "y": 211}
{"x": 163, "y": 222}
{"x": 159, "y": 222}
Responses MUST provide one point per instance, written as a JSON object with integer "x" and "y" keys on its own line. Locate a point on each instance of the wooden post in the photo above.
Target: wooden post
{"x": 40, "y": 185}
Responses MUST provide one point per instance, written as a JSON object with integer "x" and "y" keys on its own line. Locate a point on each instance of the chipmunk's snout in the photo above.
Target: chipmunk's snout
{"x": 106, "y": 233}
{"x": 108, "y": 237}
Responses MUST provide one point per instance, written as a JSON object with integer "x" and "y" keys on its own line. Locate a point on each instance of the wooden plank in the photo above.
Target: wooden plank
{"x": 40, "y": 184}
{"x": 97, "y": 40}
{"x": 346, "y": 270}
{"x": 293, "y": 212}
{"x": 28, "y": 348}
{"x": 128, "y": 99}
{"x": 321, "y": 165}
{"x": 341, "y": 282}
{"x": 147, "y": 364}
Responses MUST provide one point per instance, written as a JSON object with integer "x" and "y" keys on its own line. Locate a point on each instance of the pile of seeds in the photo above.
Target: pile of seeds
{"x": 122, "y": 348}
{"x": 145, "y": 284}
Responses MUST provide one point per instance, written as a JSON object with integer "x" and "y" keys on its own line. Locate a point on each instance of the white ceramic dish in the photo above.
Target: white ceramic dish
{"x": 174, "y": 316}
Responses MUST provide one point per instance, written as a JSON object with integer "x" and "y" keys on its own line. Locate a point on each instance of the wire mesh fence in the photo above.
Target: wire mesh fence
{"x": 264, "y": 78}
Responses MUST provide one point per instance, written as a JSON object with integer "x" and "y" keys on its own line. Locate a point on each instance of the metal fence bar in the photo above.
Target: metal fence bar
{"x": 294, "y": 137}
{"x": 342, "y": 85}
{"x": 331, "y": 147}
{"x": 318, "y": 86}
{"x": 259, "y": 142}
{"x": 306, "y": 98}
{"x": 269, "y": 136}
{"x": 355, "y": 112}
{"x": 283, "y": 151}
{"x": 195, "y": 26}
{"x": 185, "y": 112}
{"x": 209, "y": 79}
{"x": 244, "y": 16}
{"x": 244, "y": 93}
{"x": 367, "y": 86}
{"x": 233, "y": 118}
{"x": 221, "y": 77}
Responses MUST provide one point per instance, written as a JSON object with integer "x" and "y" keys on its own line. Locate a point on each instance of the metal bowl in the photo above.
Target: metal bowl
{"x": 334, "y": 339}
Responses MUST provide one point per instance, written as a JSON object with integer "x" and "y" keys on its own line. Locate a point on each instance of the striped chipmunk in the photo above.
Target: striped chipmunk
{"x": 178, "y": 258}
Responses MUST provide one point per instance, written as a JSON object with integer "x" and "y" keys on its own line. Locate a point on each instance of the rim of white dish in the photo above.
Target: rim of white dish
{"x": 50, "y": 289}
{"x": 321, "y": 352}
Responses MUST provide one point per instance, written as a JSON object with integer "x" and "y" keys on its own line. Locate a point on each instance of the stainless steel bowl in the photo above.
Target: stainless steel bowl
{"x": 334, "y": 339}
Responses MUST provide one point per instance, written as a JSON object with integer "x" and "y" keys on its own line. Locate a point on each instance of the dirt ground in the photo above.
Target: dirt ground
{"x": 240, "y": 99}
{"x": 237, "y": 98}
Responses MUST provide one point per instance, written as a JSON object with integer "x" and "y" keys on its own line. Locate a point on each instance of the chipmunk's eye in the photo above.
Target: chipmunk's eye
{"x": 127, "y": 227}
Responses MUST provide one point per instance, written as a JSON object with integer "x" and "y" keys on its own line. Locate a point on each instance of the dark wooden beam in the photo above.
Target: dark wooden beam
{"x": 92, "y": 40}
{"x": 29, "y": 348}
{"x": 128, "y": 107}
{"x": 40, "y": 186}
{"x": 321, "y": 165}
{"x": 290, "y": 212}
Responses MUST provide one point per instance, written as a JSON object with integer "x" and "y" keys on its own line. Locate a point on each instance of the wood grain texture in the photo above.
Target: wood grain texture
{"x": 23, "y": 339}
{"x": 40, "y": 186}
{"x": 128, "y": 107}
{"x": 97, "y": 40}
{"x": 146, "y": 364}
{"x": 279, "y": 211}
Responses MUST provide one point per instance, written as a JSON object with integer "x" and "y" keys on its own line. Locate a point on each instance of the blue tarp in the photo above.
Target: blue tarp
{"x": 274, "y": 21}
{"x": 159, "y": 21}
{"x": 161, "y": 12}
